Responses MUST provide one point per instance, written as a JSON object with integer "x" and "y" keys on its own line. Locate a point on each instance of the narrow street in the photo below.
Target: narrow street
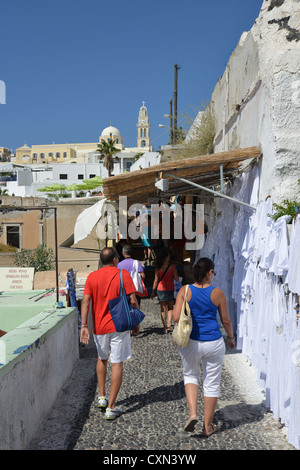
{"x": 154, "y": 407}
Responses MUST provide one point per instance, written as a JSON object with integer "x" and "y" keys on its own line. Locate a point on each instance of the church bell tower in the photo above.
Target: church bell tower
{"x": 143, "y": 125}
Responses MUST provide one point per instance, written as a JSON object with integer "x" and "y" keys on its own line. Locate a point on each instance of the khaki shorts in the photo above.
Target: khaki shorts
{"x": 114, "y": 346}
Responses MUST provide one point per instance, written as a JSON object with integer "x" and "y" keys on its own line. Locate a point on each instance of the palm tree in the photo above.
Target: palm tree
{"x": 106, "y": 151}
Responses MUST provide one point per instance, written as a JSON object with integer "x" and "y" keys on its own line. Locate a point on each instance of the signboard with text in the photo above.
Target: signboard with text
{"x": 16, "y": 279}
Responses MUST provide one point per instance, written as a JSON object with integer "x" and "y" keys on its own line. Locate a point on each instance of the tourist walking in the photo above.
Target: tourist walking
{"x": 132, "y": 266}
{"x": 100, "y": 287}
{"x": 206, "y": 343}
{"x": 163, "y": 285}
{"x": 146, "y": 240}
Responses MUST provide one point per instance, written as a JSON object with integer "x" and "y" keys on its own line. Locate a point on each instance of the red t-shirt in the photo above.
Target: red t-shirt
{"x": 104, "y": 285}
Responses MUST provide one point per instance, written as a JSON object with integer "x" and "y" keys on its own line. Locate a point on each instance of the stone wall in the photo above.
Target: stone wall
{"x": 32, "y": 378}
{"x": 257, "y": 100}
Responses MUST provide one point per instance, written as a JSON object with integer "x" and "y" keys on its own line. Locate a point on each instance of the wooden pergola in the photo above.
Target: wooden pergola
{"x": 203, "y": 172}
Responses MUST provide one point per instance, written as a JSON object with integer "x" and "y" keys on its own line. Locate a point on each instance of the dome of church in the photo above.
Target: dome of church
{"x": 110, "y": 130}
{"x": 25, "y": 146}
{"x": 111, "y": 133}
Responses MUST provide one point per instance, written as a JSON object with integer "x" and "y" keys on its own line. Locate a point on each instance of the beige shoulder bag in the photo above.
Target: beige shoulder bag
{"x": 182, "y": 330}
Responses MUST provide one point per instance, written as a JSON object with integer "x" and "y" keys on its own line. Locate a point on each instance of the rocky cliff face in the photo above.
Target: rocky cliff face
{"x": 257, "y": 101}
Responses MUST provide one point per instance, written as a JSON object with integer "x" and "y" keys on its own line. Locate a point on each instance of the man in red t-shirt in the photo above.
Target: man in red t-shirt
{"x": 100, "y": 287}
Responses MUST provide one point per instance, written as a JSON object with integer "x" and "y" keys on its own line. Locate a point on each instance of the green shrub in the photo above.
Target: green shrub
{"x": 288, "y": 207}
{"x": 41, "y": 259}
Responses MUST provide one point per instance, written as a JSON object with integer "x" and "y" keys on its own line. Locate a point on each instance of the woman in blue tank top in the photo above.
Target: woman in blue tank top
{"x": 206, "y": 343}
{"x": 204, "y": 314}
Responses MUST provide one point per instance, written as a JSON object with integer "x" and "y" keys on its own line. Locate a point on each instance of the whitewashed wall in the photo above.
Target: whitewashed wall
{"x": 257, "y": 100}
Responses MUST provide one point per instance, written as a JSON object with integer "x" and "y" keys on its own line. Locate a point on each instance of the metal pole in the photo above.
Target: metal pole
{"x": 171, "y": 122}
{"x": 56, "y": 254}
{"x": 222, "y": 178}
{"x": 216, "y": 193}
{"x": 175, "y": 102}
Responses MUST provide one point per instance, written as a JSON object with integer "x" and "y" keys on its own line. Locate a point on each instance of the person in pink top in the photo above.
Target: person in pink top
{"x": 163, "y": 284}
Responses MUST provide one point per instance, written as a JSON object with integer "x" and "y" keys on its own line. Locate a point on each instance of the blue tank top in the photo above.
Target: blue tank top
{"x": 204, "y": 315}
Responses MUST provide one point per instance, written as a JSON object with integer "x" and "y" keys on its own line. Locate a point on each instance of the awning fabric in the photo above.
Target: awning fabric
{"x": 139, "y": 185}
{"x": 87, "y": 220}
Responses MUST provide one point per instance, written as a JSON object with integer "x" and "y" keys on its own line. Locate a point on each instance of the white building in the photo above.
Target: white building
{"x": 27, "y": 179}
{"x": 146, "y": 160}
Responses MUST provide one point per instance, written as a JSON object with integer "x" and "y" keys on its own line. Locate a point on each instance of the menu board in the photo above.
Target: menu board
{"x": 16, "y": 279}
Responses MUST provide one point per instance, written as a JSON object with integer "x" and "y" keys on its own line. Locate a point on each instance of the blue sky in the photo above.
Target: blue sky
{"x": 71, "y": 67}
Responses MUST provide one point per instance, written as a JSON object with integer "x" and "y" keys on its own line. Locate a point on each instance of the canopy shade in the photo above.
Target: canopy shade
{"x": 87, "y": 220}
{"x": 139, "y": 185}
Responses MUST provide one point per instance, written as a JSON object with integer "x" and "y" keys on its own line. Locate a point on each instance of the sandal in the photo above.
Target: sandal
{"x": 214, "y": 429}
{"x": 190, "y": 424}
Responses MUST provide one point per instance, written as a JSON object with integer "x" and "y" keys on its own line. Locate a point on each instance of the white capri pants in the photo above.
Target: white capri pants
{"x": 212, "y": 353}
{"x": 116, "y": 346}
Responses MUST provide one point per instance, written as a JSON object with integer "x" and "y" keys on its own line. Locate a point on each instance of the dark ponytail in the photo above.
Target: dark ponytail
{"x": 161, "y": 256}
{"x": 201, "y": 268}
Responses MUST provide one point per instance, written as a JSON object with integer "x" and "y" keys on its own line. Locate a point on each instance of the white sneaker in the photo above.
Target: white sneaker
{"x": 112, "y": 413}
{"x": 102, "y": 402}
